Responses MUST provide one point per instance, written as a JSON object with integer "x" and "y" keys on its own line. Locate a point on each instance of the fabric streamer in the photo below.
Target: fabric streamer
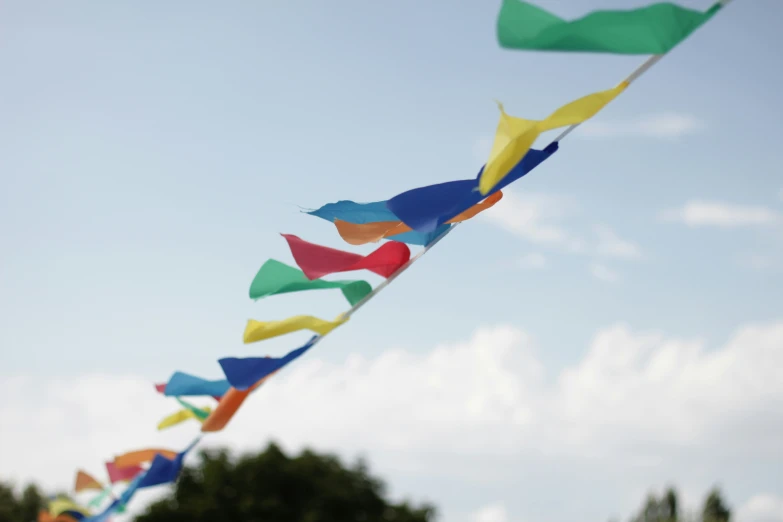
{"x": 85, "y": 482}
{"x": 132, "y": 459}
{"x": 514, "y": 136}
{"x": 100, "y": 497}
{"x": 244, "y": 373}
{"x": 258, "y": 331}
{"x": 275, "y": 278}
{"x": 183, "y": 385}
{"x": 124, "y": 474}
{"x": 426, "y": 208}
{"x": 317, "y": 261}
{"x": 183, "y": 415}
{"x": 199, "y": 413}
{"x": 164, "y": 470}
{"x": 364, "y": 213}
{"x": 64, "y": 505}
{"x": 225, "y": 411}
{"x": 372, "y": 232}
{"x": 655, "y": 29}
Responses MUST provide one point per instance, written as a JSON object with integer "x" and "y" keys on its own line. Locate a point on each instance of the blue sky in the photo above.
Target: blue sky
{"x": 152, "y": 153}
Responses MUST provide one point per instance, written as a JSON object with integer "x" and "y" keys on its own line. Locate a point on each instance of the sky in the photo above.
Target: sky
{"x": 612, "y": 326}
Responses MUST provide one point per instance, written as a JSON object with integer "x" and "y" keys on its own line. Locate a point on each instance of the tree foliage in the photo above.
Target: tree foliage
{"x": 273, "y": 487}
{"x": 20, "y": 508}
{"x": 667, "y": 509}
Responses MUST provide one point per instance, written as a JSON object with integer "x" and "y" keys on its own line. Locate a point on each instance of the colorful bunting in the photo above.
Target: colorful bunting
{"x": 228, "y": 407}
{"x": 376, "y": 212}
{"x": 655, "y": 29}
{"x": 317, "y": 261}
{"x": 258, "y": 331}
{"x": 125, "y": 474}
{"x": 63, "y": 505}
{"x": 244, "y": 373}
{"x": 275, "y": 278}
{"x": 185, "y": 385}
{"x": 133, "y": 459}
{"x": 514, "y": 136}
{"x": 418, "y": 216}
{"x": 100, "y": 497}
{"x": 372, "y": 232}
{"x": 85, "y": 482}
{"x": 186, "y": 413}
{"x": 426, "y": 208}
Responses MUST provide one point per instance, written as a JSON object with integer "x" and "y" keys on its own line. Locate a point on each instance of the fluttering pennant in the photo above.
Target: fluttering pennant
{"x": 317, "y": 261}
{"x": 100, "y": 497}
{"x": 228, "y": 407}
{"x": 164, "y": 469}
{"x": 62, "y": 505}
{"x": 376, "y": 212}
{"x": 427, "y": 208}
{"x": 186, "y": 413}
{"x": 655, "y": 29}
{"x": 514, "y": 136}
{"x": 126, "y": 474}
{"x": 372, "y": 232}
{"x": 185, "y": 385}
{"x": 85, "y": 482}
{"x": 258, "y": 331}
{"x": 244, "y": 373}
{"x": 275, "y": 278}
{"x": 133, "y": 459}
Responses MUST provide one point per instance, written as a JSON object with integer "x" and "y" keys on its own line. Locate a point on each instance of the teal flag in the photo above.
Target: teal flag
{"x": 275, "y": 277}
{"x": 654, "y": 29}
{"x": 95, "y": 502}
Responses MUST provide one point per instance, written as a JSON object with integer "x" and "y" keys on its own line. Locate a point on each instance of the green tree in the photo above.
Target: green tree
{"x": 715, "y": 509}
{"x": 273, "y": 487}
{"x": 23, "y": 508}
{"x": 664, "y": 509}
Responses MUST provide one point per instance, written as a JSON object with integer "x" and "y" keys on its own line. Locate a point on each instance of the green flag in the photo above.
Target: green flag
{"x": 275, "y": 277}
{"x": 654, "y": 29}
{"x": 198, "y": 412}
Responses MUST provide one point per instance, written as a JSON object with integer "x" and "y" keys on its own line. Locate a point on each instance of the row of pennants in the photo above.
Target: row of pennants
{"x": 416, "y": 217}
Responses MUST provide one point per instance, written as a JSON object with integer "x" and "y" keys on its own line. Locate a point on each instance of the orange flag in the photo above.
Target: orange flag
{"x": 360, "y": 234}
{"x": 228, "y": 406}
{"x": 85, "y": 481}
{"x": 135, "y": 458}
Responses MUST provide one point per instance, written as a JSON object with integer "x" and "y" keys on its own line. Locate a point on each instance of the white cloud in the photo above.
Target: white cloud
{"x": 491, "y": 513}
{"x": 719, "y": 214}
{"x": 604, "y": 273}
{"x": 537, "y": 218}
{"x": 611, "y": 245}
{"x": 533, "y": 216}
{"x": 667, "y": 125}
{"x": 633, "y": 396}
{"x": 761, "y": 508}
{"x": 532, "y": 261}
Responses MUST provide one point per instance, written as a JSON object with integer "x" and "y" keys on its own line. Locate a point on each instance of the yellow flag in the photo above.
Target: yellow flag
{"x": 58, "y": 505}
{"x": 515, "y": 136}
{"x": 179, "y": 417}
{"x": 258, "y": 331}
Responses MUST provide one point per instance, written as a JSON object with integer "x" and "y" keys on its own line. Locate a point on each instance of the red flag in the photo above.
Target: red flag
{"x": 317, "y": 261}
{"x": 122, "y": 474}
